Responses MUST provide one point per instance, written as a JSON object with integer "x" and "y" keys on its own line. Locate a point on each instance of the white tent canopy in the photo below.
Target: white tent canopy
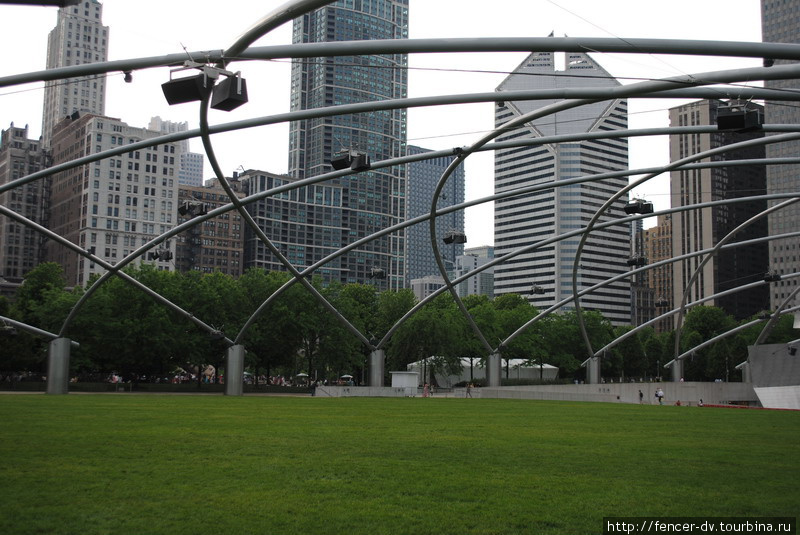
{"x": 517, "y": 369}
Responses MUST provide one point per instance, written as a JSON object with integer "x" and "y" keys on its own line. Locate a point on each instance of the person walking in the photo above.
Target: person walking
{"x": 641, "y": 397}
{"x": 469, "y": 390}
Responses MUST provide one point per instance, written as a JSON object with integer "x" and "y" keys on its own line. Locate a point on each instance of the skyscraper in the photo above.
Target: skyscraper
{"x": 78, "y": 38}
{"x": 190, "y": 168}
{"x": 702, "y": 229}
{"x": 20, "y": 246}
{"x": 216, "y": 244}
{"x": 114, "y": 206}
{"x": 423, "y": 176}
{"x": 304, "y": 224}
{"x": 371, "y": 200}
{"x": 780, "y": 23}
{"x": 658, "y": 247}
{"x": 472, "y": 259}
{"x": 525, "y": 219}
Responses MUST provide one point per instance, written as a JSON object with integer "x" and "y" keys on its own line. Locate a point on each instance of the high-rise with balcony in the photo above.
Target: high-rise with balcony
{"x": 372, "y": 200}
{"x": 304, "y": 224}
{"x": 525, "y": 219}
{"x": 780, "y": 23}
{"x": 78, "y": 38}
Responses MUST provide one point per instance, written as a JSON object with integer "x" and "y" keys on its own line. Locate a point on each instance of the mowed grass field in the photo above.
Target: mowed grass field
{"x": 153, "y": 464}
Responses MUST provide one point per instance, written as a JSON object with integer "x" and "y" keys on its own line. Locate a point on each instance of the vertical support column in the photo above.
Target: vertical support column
{"x": 746, "y": 378}
{"x": 677, "y": 371}
{"x": 593, "y": 371}
{"x": 494, "y": 369}
{"x": 377, "y": 362}
{"x": 58, "y": 366}
{"x": 234, "y": 368}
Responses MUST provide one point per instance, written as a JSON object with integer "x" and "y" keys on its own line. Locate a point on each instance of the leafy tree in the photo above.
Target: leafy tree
{"x": 628, "y": 357}
{"x": 436, "y": 330}
{"x": 275, "y": 336}
{"x": 343, "y": 350}
{"x": 703, "y": 323}
{"x": 28, "y": 352}
{"x": 36, "y": 287}
{"x": 216, "y": 299}
{"x": 653, "y": 349}
{"x": 392, "y": 305}
{"x": 783, "y": 331}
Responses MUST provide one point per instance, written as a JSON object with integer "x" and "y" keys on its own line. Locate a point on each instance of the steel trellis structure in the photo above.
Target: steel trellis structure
{"x": 701, "y": 85}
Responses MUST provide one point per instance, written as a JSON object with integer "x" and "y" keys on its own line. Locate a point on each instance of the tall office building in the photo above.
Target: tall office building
{"x": 642, "y": 294}
{"x": 780, "y": 23}
{"x": 190, "y": 164}
{"x": 658, "y": 247}
{"x": 21, "y": 246}
{"x": 702, "y": 229}
{"x": 216, "y": 244}
{"x": 483, "y": 282}
{"x": 525, "y": 219}
{"x": 371, "y": 200}
{"x": 423, "y": 176}
{"x": 113, "y": 206}
{"x": 78, "y": 38}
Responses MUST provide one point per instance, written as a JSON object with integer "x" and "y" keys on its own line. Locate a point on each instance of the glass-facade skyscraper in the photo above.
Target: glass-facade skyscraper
{"x": 423, "y": 176}
{"x": 371, "y": 200}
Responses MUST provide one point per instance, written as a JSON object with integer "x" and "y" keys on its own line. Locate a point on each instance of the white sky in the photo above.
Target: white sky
{"x": 156, "y": 27}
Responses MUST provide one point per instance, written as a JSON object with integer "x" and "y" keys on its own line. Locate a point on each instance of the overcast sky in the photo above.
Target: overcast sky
{"x": 155, "y": 27}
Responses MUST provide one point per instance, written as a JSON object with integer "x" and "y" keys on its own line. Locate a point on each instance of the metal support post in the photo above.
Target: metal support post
{"x": 493, "y": 370}
{"x": 677, "y": 371}
{"x": 234, "y": 370}
{"x": 593, "y": 371}
{"x": 58, "y": 366}
{"x": 377, "y": 361}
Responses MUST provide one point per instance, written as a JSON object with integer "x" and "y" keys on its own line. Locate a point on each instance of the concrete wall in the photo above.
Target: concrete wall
{"x": 772, "y": 365}
{"x": 689, "y": 393}
{"x": 365, "y": 391}
{"x": 779, "y": 397}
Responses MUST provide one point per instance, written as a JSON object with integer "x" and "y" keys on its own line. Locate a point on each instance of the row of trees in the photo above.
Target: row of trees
{"x": 121, "y": 329}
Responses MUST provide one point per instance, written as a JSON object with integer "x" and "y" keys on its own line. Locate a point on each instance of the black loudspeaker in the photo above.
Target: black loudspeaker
{"x": 360, "y": 162}
{"x": 341, "y": 161}
{"x": 738, "y": 118}
{"x": 229, "y": 94}
{"x": 187, "y": 89}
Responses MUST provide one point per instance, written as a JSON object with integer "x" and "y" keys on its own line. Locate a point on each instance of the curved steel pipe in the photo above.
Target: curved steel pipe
{"x": 671, "y": 166}
{"x": 108, "y": 267}
{"x": 765, "y": 332}
{"x": 417, "y": 46}
{"x": 726, "y": 334}
{"x": 548, "y": 241}
{"x": 712, "y": 254}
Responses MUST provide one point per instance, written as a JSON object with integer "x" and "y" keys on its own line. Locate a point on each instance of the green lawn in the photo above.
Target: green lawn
{"x": 142, "y": 464}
